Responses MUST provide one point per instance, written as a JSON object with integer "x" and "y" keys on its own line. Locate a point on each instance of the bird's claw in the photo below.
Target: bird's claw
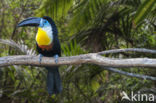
{"x": 40, "y": 58}
{"x": 56, "y": 58}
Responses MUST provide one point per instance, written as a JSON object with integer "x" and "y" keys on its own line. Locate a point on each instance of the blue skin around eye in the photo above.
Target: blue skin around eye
{"x": 44, "y": 23}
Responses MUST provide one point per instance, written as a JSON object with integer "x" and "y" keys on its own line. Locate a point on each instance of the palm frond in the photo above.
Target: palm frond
{"x": 132, "y": 3}
{"x": 72, "y": 48}
{"x": 143, "y": 10}
{"x": 20, "y": 46}
{"x": 55, "y": 8}
{"x": 85, "y": 13}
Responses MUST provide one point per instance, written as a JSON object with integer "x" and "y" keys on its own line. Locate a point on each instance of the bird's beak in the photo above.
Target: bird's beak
{"x": 32, "y": 21}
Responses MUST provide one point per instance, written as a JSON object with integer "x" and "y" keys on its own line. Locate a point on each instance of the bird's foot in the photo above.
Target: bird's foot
{"x": 56, "y": 58}
{"x": 40, "y": 58}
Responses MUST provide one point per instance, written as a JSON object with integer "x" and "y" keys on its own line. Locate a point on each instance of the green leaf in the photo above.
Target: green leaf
{"x": 143, "y": 10}
{"x": 95, "y": 85}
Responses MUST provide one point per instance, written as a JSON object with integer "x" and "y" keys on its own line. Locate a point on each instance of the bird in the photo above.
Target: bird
{"x": 48, "y": 45}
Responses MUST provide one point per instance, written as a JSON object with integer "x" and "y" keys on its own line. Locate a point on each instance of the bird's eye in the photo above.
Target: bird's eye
{"x": 44, "y": 22}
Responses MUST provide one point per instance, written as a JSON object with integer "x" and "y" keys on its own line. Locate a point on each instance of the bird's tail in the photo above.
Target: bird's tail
{"x": 54, "y": 84}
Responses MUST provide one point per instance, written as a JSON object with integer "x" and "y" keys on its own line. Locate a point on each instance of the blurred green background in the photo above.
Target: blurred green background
{"x": 84, "y": 26}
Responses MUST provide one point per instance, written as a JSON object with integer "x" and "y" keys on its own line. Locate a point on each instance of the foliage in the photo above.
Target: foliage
{"x": 55, "y": 8}
{"x": 84, "y": 26}
{"x": 143, "y": 11}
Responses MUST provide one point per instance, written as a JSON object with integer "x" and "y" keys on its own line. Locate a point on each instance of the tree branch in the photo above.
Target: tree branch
{"x": 92, "y": 58}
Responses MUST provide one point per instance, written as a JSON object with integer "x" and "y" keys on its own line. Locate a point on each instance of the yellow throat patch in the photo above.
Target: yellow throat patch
{"x": 42, "y": 37}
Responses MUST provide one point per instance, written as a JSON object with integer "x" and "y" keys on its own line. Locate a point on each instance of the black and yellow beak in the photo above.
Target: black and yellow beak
{"x": 32, "y": 21}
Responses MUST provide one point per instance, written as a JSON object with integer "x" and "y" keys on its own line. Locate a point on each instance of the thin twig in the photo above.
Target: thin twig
{"x": 142, "y": 50}
{"x": 145, "y": 77}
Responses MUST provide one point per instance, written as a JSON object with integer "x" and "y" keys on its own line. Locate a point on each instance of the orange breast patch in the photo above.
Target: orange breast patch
{"x": 46, "y": 47}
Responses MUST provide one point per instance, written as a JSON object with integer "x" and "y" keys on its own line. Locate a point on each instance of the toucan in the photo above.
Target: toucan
{"x": 48, "y": 45}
